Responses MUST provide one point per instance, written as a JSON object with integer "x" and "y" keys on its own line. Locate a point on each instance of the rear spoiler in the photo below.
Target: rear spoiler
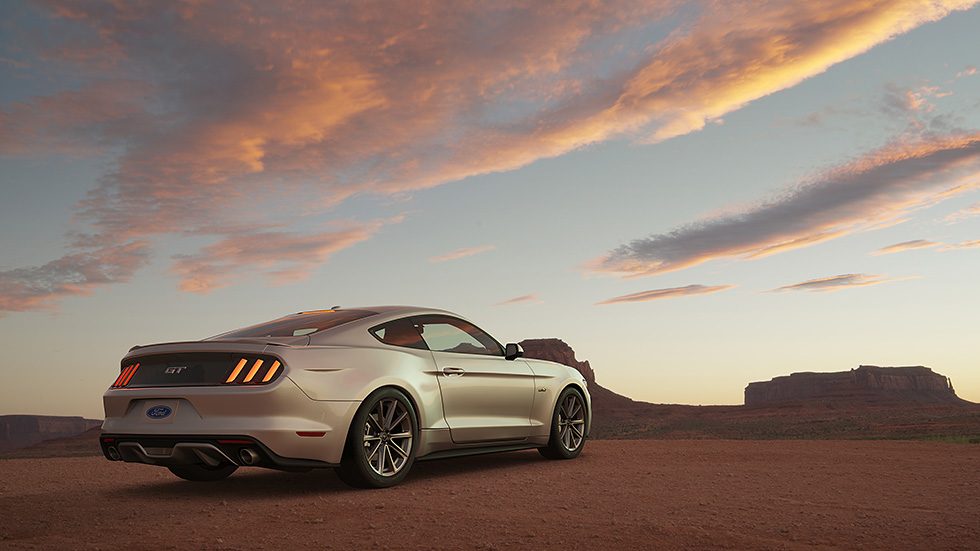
{"x": 294, "y": 341}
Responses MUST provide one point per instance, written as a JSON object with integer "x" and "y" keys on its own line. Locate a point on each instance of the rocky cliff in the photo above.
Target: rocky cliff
{"x": 867, "y": 402}
{"x": 867, "y": 384}
{"x": 18, "y": 431}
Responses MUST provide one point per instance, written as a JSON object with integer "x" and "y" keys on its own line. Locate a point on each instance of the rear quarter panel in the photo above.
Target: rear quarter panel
{"x": 347, "y": 373}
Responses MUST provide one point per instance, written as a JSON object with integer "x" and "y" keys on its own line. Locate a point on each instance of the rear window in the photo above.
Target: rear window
{"x": 299, "y": 325}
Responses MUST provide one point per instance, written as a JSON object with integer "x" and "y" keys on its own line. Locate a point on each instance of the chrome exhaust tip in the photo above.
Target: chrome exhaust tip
{"x": 114, "y": 454}
{"x": 248, "y": 457}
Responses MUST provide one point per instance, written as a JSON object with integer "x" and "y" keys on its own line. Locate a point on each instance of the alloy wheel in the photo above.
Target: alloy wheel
{"x": 571, "y": 422}
{"x": 388, "y": 437}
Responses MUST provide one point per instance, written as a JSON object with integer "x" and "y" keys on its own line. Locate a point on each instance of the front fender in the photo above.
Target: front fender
{"x": 550, "y": 380}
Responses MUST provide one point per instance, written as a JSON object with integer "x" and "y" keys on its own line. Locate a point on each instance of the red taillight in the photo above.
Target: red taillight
{"x": 130, "y": 376}
{"x": 120, "y": 377}
{"x": 126, "y": 376}
{"x": 252, "y": 374}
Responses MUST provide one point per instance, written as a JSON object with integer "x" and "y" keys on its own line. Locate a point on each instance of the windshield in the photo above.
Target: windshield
{"x": 298, "y": 325}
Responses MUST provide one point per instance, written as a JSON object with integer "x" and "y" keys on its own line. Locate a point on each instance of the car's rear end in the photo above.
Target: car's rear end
{"x": 219, "y": 403}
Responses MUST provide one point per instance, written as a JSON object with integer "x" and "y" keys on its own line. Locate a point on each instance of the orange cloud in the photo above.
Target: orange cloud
{"x": 740, "y": 53}
{"x": 672, "y": 292}
{"x": 839, "y": 282}
{"x": 404, "y": 98}
{"x": 925, "y": 244}
{"x": 241, "y": 107}
{"x": 973, "y": 244}
{"x": 462, "y": 253}
{"x": 876, "y": 191}
{"x": 907, "y": 246}
{"x": 285, "y": 257}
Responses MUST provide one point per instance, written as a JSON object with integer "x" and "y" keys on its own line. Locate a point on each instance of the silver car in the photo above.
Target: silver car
{"x": 366, "y": 390}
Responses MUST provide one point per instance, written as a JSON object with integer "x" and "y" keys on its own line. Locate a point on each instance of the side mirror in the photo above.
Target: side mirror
{"x": 513, "y": 351}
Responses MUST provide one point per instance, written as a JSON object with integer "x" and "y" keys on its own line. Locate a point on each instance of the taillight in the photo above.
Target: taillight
{"x": 125, "y": 376}
{"x": 258, "y": 372}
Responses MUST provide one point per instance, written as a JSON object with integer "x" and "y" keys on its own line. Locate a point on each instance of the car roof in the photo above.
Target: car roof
{"x": 382, "y": 314}
{"x": 389, "y": 310}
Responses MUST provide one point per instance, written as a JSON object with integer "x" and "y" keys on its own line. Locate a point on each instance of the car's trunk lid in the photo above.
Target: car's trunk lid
{"x": 204, "y": 363}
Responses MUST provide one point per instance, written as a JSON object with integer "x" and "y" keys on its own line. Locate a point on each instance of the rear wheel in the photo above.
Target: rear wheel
{"x": 380, "y": 446}
{"x": 203, "y": 473}
{"x": 567, "y": 426}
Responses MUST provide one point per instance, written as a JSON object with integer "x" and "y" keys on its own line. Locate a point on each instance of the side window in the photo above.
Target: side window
{"x": 399, "y": 333}
{"x": 447, "y": 334}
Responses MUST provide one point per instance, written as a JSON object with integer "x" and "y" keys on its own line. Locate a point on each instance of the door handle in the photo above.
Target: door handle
{"x": 453, "y": 371}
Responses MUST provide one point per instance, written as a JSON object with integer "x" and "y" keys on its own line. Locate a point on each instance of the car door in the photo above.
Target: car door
{"x": 486, "y": 398}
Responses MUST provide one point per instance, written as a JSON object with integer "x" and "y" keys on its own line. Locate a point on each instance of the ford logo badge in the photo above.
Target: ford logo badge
{"x": 159, "y": 412}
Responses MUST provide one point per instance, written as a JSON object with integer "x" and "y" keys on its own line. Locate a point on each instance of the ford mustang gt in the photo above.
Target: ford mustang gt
{"x": 366, "y": 390}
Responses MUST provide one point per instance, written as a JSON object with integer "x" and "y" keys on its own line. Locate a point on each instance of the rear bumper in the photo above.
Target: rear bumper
{"x": 278, "y": 418}
{"x": 173, "y": 450}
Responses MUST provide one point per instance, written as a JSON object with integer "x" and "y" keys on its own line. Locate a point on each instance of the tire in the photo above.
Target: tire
{"x": 567, "y": 426}
{"x": 203, "y": 473}
{"x": 381, "y": 441}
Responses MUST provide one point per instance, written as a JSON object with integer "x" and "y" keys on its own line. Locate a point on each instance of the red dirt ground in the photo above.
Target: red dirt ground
{"x": 619, "y": 494}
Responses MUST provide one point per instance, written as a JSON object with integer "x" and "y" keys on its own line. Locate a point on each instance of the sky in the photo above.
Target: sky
{"x": 693, "y": 195}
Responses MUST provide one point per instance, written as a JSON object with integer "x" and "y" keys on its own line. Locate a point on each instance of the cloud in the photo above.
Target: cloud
{"x": 964, "y": 213}
{"x": 838, "y": 282}
{"x": 963, "y": 245}
{"x": 740, "y": 53}
{"x": 284, "y": 256}
{"x": 208, "y": 111}
{"x": 916, "y": 107}
{"x": 969, "y": 71}
{"x": 907, "y": 246}
{"x": 877, "y": 190}
{"x": 912, "y": 100}
{"x": 462, "y": 253}
{"x": 672, "y": 292}
{"x": 925, "y": 244}
{"x": 74, "y": 122}
{"x": 523, "y": 299}
{"x": 36, "y": 288}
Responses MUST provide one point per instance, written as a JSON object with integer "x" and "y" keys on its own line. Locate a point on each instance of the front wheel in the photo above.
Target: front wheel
{"x": 380, "y": 446}
{"x": 567, "y": 426}
{"x": 203, "y": 473}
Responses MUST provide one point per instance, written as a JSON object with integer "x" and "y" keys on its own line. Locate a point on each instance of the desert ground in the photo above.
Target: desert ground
{"x": 664, "y": 494}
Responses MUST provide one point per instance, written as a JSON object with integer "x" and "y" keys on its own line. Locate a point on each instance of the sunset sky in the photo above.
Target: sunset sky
{"x": 693, "y": 195}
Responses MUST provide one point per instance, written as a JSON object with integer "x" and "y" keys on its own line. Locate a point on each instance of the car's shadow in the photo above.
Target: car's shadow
{"x": 253, "y": 482}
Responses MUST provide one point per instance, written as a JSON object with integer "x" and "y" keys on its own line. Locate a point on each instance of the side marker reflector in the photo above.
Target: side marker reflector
{"x": 311, "y": 433}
